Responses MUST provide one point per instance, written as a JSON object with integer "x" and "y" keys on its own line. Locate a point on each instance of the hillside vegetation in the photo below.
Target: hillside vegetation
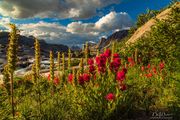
{"x": 136, "y": 81}
{"x": 157, "y": 39}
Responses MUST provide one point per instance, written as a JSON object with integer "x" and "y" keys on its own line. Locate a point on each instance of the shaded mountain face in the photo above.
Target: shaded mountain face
{"x": 26, "y": 50}
{"x": 117, "y": 36}
{"x": 75, "y": 48}
{"x": 26, "y": 45}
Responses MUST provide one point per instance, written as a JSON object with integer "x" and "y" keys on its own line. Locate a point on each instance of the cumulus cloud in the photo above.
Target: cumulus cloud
{"x": 4, "y": 23}
{"x": 43, "y": 30}
{"x": 109, "y": 22}
{"x": 79, "y": 27}
{"x": 114, "y": 21}
{"x": 53, "y": 33}
{"x": 76, "y": 9}
{"x": 76, "y": 32}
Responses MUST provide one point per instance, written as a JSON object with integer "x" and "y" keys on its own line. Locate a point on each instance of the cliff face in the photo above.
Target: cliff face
{"x": 117, "y": 36}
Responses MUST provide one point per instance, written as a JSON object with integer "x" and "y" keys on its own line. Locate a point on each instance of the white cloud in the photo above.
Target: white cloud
{"x": 79, "y": 27}
{"x": 43, "y": 30}
{"x": 53, "y": 8}
{"x": 53, "y": 33}
{"x": 5, "y": 20}
{"x": 109, "y": 22}
{"x": 76, "y": 32}
{"x": 4, "y": 23}
{"x": 114, "y": 21}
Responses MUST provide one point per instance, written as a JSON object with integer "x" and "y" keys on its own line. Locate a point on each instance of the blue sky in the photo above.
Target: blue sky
{"x": 73, "y": 21}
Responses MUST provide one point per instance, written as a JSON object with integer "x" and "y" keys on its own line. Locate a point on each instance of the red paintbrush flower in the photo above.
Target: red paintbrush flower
{"x": 110, "y": 97}
{"x": 120, "y": 75}
{"x": 70, "y": 78}
{"x": 123, "y": 87}
{"x": 115, "y": 55}
{"x": 90, "y": 61}
{"x": 115, "y": 64}
{"x": 56, "y": 81}
{"x": 142, "y": 68}
{"x": 124, "y": 70}
{"x": 154, "y": 70}
{"x": 149, "y": 66}
{"x": 101, "y": 63}
{"x": 107, "y": 53}
{"x": 86, "y": 77}
{"x": 81, "y": 80}
{"x": 149, "y": 75}
{"x": 49, "y": 77}
{"x": 131, "y": 61}
{"x": 101, "y": 69}
{"x": 92, "y": 69}
{"x": 161, "y": 65}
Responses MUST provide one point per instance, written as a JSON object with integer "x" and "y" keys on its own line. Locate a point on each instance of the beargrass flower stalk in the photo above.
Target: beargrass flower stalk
{"x": 69, "y": 59}
{"x": 37, "y": 58}
{"x": 12, "y": 60}
{"x": 97, "y": 53}
{"x": 36, "y": 72}
{"x": 104, "y": 49}
{"x": 63, "y": 63}
{"x": 34, "y": 77}
{"x": 77, "y": 76}
{"x": 59, "y": 61}
{"x": 74, "y": 75}
{"x": 136, "y": 55}
{"x": 81, "y": 66}
{"x": 86, "y": 53}
{"x": 51, "y": 56}
{"x": 6, "y": 79}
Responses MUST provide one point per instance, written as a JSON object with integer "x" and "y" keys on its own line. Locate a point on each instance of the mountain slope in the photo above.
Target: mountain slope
{"x": 147, "y": 26}
{"x": 26, "y": 45}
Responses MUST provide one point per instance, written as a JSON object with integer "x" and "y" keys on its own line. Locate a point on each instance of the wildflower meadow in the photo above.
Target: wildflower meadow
{"x": 114, "y": 84}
